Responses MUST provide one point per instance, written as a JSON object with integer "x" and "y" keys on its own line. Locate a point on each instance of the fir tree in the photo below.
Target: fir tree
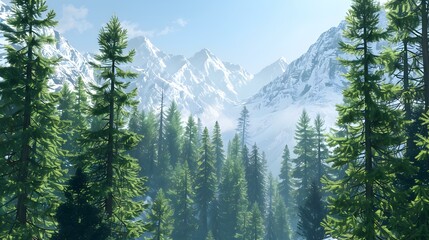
{"x": 305, "y": 170}
{"x": 281, "y": 222}
{"x": 358, "y": 208}
{"x": 163, "y": 165}
{"x": 30, "y": 167}
{"x": 234, "y": 149}
{"x": 114, "y": 174}
{"x": 270, "y": 226}
{"x": 311, "y": 215}
{"x": 173, "y": 133}
{"x": 255, "y": 228}
{"x": 322, "y": 153}
{"x": 189, "y": 148}
{"x": 77, "y": 218}
{"x": 182, "y": 195}
{"x": 161, "y": 218}
{"x": 285, "y": 185}
{"x": 205, "y": 184}
{"x": 232, "y": 199}
{"x": 256, "y": 183}
{"x": 219, "y": 154}
{"x": 243, "y": 126}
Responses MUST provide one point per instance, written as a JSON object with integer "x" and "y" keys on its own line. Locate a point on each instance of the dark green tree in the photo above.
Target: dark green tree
{"x": 173, "y": 133}
{"x": 182, "y": 196}
{"x": 189, "y": 147}
{"x": 77, "y": 218}
{"x": 219, "y": 153}
{"x": 369, "y": 151}
{"x": 232, "y": 199}
{"x": 30, "y": 146}
{"x": 163, "y": 166}
{"x": 322, "y": 152}
{"x": 205, "y": 182}
{"x": 305, "y": 170}
{"x": 281, "y": 222}
{"x": 270, "y": 221}
{"x": 285, "y": 185}
{"x": 311, "y": 215}
{"x": 255, "y": 228}
{"x": 114, "y": 174}
{"x": 256, "y": 181}
{"x": 161, "y": 218}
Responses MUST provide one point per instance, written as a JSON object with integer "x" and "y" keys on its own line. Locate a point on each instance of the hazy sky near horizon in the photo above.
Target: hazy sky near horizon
{"x": 252, "y": 33}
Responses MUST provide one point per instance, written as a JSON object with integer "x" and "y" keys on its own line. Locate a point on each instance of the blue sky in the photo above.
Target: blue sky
{"x": 252, "y": 33}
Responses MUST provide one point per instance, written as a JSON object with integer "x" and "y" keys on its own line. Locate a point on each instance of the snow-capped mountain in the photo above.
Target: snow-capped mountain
{"x": 312, "y": 82}
{"x": 72, "y": 63}
{"x": 265, "y": 76}
{"x": 202, "y": 85}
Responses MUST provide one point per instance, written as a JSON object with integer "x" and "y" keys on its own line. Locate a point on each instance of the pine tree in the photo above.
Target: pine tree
{"x": 66, "y": 108}
{"x": 182, "y": 196}
{"x": 305, "y": 170}
{"x": 322, "y": 152}
{"x": 30, "y": 167}
{"x": 255, "y": 229}
{"x": 205, "y": 184}
{"x": 232, "y": 199}
{"x": 358, "y": 208}
{"x": 161, "y": 218}
{"x": 114, "y": 174}
{"x": 163, "y": 166}
{"x": 77, "y": 218}
{"x": 256, "y": 183}
{"x": 285, "y": 185}
{"x": 219, "y": 154}
{"x": 243, "y": 126}
{"x": 189, "y": 148}
{"x": 145, "y": 125}
{"x": 234, "y": 149}
{"x": 311, "y": 215}
{"x": 270, "y": 221}
{"x": 281, "y": 222}
{"x": 173, "y": 133}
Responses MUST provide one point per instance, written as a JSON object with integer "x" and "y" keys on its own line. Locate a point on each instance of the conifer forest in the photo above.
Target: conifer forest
{"x": 86, "y": 163}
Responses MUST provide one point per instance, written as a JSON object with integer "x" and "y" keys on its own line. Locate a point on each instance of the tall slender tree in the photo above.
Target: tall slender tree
{"x": 285, "y": 184}
{"x": 30, "y": 167}
{"x": 358, "y": 208}
{"x": 232, "y": 198}
{"x": 173, "y": 133}
{"x": 305, "y": 162}
{"x": 189, "y": 147}
{"x": 243, "y": 126}
{"x": 257, "y": 179}
{"x": 219, "y": 154}
{"x": 322, "y": 152}
{"x": 205, "y": 184}
{"x": 182, "y": 196}
{"x": 114, "y": 174}
{"x": 311, "y": 215}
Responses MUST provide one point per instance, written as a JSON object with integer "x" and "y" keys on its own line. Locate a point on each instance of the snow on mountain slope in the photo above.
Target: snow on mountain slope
{"x": 202, "y": 85}
{"x": 265, "y": 76}
{"x": 313, "y": 82}
{"x": 72, "y": 64}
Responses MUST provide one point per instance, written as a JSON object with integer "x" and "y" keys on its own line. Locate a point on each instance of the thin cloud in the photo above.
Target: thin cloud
{"x": 74, "y": 18}
{"x": 134, "y": 30}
